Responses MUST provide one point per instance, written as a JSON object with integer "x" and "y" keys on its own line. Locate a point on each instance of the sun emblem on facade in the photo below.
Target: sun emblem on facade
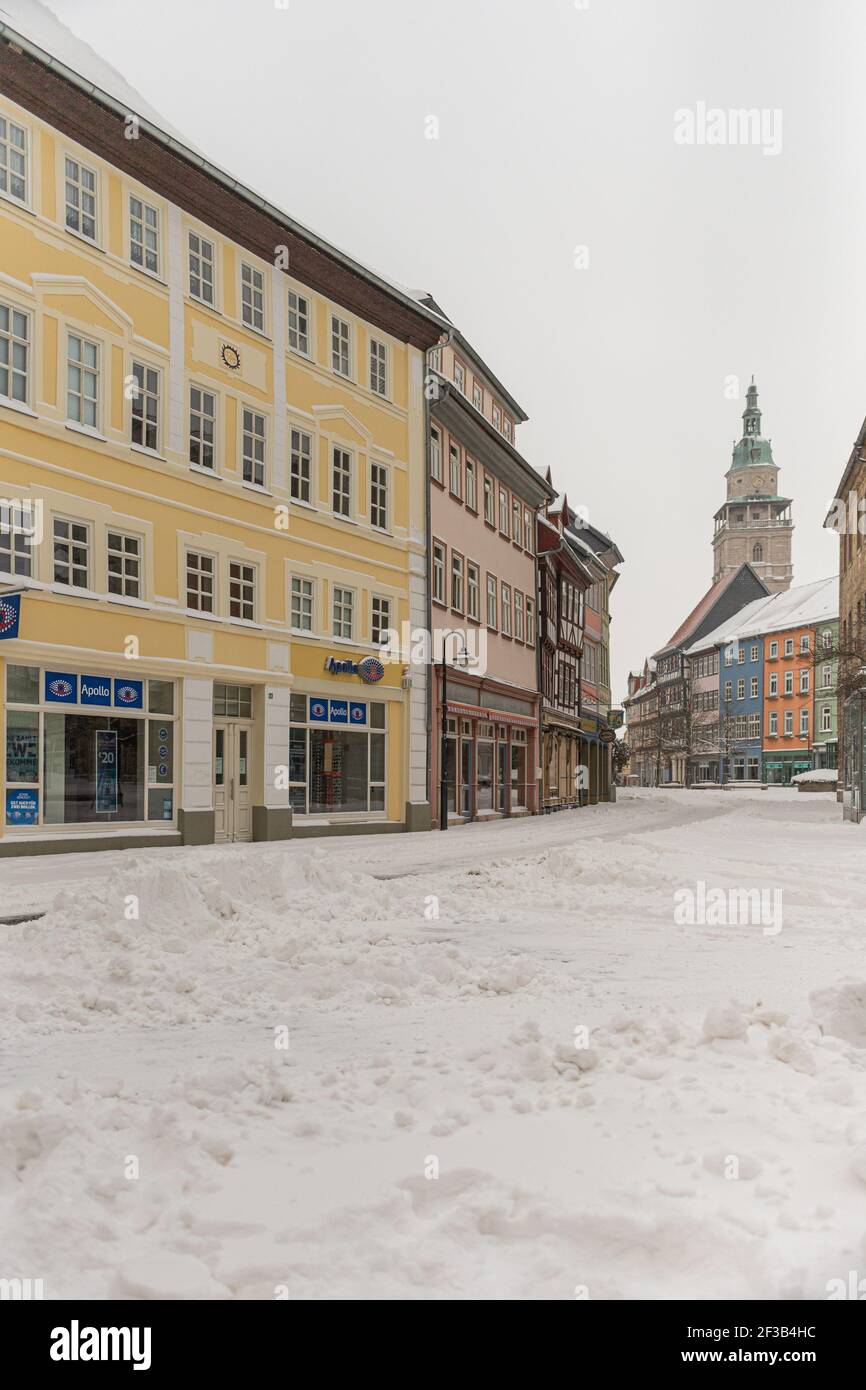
{"x": 231, "y": 357}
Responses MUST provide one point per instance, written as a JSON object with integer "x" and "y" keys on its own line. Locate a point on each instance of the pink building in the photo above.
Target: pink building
{"x": 483, "y": 502}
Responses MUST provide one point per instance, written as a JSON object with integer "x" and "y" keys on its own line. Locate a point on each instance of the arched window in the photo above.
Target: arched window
{"x": 757, "y": 552}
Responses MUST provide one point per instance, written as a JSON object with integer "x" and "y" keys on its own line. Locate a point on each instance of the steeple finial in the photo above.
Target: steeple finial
{"x": 751, "y": 414}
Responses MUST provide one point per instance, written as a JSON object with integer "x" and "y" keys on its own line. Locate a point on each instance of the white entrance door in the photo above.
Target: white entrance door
{"x": 232, "y": 744}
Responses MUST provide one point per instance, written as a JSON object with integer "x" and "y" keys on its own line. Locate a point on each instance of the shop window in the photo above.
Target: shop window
{"x": 160, "y": 699}
{"x": 86, "y": 768}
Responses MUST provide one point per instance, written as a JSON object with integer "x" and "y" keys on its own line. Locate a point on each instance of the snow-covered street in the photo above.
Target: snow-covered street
{"x": 510, "y": 1072}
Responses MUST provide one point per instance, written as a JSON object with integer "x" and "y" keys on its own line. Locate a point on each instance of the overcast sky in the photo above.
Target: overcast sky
{"x": 556, "y": 131}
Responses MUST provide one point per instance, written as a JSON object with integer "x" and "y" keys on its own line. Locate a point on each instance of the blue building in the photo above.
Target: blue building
{"x": 741, "y": 695}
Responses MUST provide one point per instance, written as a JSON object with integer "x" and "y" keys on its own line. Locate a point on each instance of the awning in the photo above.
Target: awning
{"x": 490, "y": 716}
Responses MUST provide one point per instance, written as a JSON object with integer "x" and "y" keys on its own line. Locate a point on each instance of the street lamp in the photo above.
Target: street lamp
{"x": 462, "y": 659}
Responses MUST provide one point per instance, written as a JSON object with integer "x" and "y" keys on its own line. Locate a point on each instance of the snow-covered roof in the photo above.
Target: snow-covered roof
{"x": 802, "y": 606}
{"x": 62, "y": 50}
{"x": 41, "y": 26}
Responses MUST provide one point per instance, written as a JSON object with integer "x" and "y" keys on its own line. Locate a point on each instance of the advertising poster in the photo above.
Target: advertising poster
{"x": 106, "y": 771}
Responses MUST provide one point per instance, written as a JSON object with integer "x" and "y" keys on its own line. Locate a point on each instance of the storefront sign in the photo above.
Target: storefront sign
{"x": 22, "y": 807}
{"x": 370, "y": 668}
{"x": 615, "y": 718}
{"x": 129, "y": 694}
{"x": 61, "y": 688}
{"x": 66, "y": 688}
{"x": 607, "y": 735}
{"x": 357, "y": 712}
{"x": 95, "y": 690}
{"x": 10, "y": 616}
{"x": 106, "y": 770}
{"x": 318, "y": 711}
{"x": 339, "y": 711}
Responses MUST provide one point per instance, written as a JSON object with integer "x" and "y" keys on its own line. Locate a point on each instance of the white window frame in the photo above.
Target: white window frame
{"x": 380, "y": 375}
{"x": 473, "y": 590}
{"x": 381, "y": 612}
{"x": 492, "y": 602}
{"x": 437, "y": 565}
{"x": 197, "y": 572}
{"x": 247, "y": 580}
{"x": 23, "y": 153}
{"x": 455, "y": 469}
{"x": 470, "y": 483}
{"x": 254, "y": 441}
{"x": 14, "y": 340}
{"x": 342, "y": 470}
{"x": 18, "y": 529}
{"x": 70, "y": 543}
{"x": 301, "y": 465}
{"x": 124, "y": 555}
{"x": 458, "y": 581}
{"x": 141, "y": 395}
{"x": 155, "y": 228}
{"x": 201, "y": 415}
{"x": 198, "y": 274}
{"x": 435, "y": 454}
{"x": 300, "y": 323}
{"x": 253, "y": 297}
{"x": 341, "y": 346}
{"x": 75, "y": 181}
{"x": 826, "y": 719}
{"x": 342, "y": 602}
{"x": 774, "y": 724}
{"x": 380, "y": 496}
{"x": 302, "y": 595}
{"x": 78, "y": 364}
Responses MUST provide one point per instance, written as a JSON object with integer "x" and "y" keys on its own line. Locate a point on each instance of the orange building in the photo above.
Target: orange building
{"x": 788, "y": 674}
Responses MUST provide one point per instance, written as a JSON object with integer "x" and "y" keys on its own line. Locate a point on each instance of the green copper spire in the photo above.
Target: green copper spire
{"x": 752, "y": 451}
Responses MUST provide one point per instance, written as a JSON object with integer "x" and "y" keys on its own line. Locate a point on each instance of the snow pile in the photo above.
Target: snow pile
{"x": 242, "y": 936}
{"x": 817, "y": 774}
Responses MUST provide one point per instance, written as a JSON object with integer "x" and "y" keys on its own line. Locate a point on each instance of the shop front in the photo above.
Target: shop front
{"x": 565, "y": 774}
{"x": 337, "y": 757}
{"x": 87, "y": 752}
{"x": 780, "y": 768}
{"x": 492, "y": 753}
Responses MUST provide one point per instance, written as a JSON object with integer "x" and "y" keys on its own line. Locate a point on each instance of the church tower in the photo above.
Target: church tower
{"x": 754, "y": 523}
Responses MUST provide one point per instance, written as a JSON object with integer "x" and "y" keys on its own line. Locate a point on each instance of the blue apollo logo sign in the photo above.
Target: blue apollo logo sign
{"x": 68, "y": 688}
{"x": 369, "y": 668}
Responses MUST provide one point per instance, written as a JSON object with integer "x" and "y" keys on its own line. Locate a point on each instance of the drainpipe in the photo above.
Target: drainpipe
{"x": 444, "y": 341}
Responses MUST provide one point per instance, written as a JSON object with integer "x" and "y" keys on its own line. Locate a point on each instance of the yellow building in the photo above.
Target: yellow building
{"x": 212, "y": 493}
